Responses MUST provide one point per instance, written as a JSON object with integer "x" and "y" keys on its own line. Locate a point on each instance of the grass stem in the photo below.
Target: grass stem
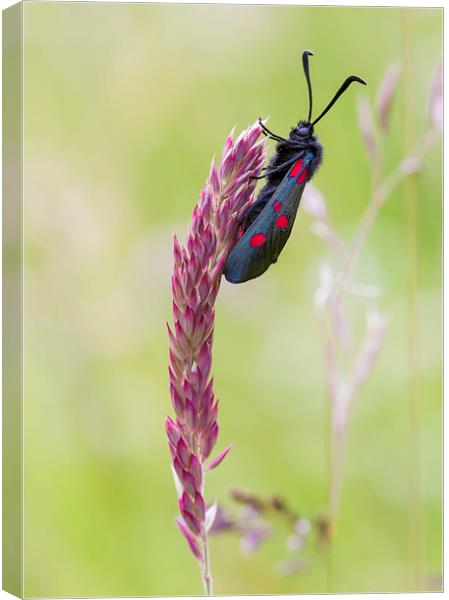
{"x": 412, "y": 253}
{"x": 206, "y": 573}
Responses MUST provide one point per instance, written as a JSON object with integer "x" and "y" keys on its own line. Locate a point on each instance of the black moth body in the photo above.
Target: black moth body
{"x": 269, "y": 220}
{"x": 267, "y": 224}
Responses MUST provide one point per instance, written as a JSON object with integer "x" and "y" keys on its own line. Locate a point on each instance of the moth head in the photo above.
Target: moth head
{"x": 305, "y": 130}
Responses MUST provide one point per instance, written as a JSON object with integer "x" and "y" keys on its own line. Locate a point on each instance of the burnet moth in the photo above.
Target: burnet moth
{"x": 267, "y": 224}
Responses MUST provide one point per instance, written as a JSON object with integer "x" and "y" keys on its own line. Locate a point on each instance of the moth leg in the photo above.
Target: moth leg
{"x": 281, "y": 167}
{"x": 274, "y": 136}
{"x": 261, "y": 176}
{"x": 279, "y": 138}
{"x": 271, "y": 170}
{"x": 253, "y": 211}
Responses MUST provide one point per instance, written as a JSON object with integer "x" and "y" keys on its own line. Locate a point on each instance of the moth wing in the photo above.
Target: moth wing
{"x": 263, "y": 241}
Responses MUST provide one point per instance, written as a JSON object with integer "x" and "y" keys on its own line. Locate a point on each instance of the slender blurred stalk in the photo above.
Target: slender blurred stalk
{"x": 341, "y": 391}
{"x": 206, "y": 573}
{"x": 336, "y": 454}
{"x": 330, "y": 477}
{"x": 412, "y": 253}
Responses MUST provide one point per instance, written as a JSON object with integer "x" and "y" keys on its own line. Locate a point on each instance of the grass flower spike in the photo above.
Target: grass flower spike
{"x": 198, "y": 267}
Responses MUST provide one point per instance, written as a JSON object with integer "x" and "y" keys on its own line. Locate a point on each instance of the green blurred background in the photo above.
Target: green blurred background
{"x": 124, "y": 106}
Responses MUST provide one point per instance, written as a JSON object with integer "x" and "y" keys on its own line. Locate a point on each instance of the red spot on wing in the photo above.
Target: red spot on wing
{"x": 282, "y": 222}
{"x": 302, "y": 177}
{"x": 296, "y": 168}
{"x": 257, "y": 240}
{"x": 277, "y": 206}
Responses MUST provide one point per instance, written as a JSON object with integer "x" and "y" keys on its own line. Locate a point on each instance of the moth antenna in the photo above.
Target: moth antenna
{"x": 344, "y": 86}
{"x": 305, "y": 64}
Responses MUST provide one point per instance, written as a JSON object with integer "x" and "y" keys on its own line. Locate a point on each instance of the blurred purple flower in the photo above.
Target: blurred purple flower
{"x": 377, "y": 326}
{"x": 254, "y": 537}
{"x": 436, "y": 97}
{"x": 222, "y": 522}
{"x": 290, "y": 566}
{"x": 386, "y": 94}
{"x": 366, "y": 127}
{"x": 325, "y": 287}
{"x": 313, "y": 202}
{"x": 198, "y": 266}
{"x": 303, "y": 526}
{"x": 294, "y": 542}
{"x": 410, "y": 165}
